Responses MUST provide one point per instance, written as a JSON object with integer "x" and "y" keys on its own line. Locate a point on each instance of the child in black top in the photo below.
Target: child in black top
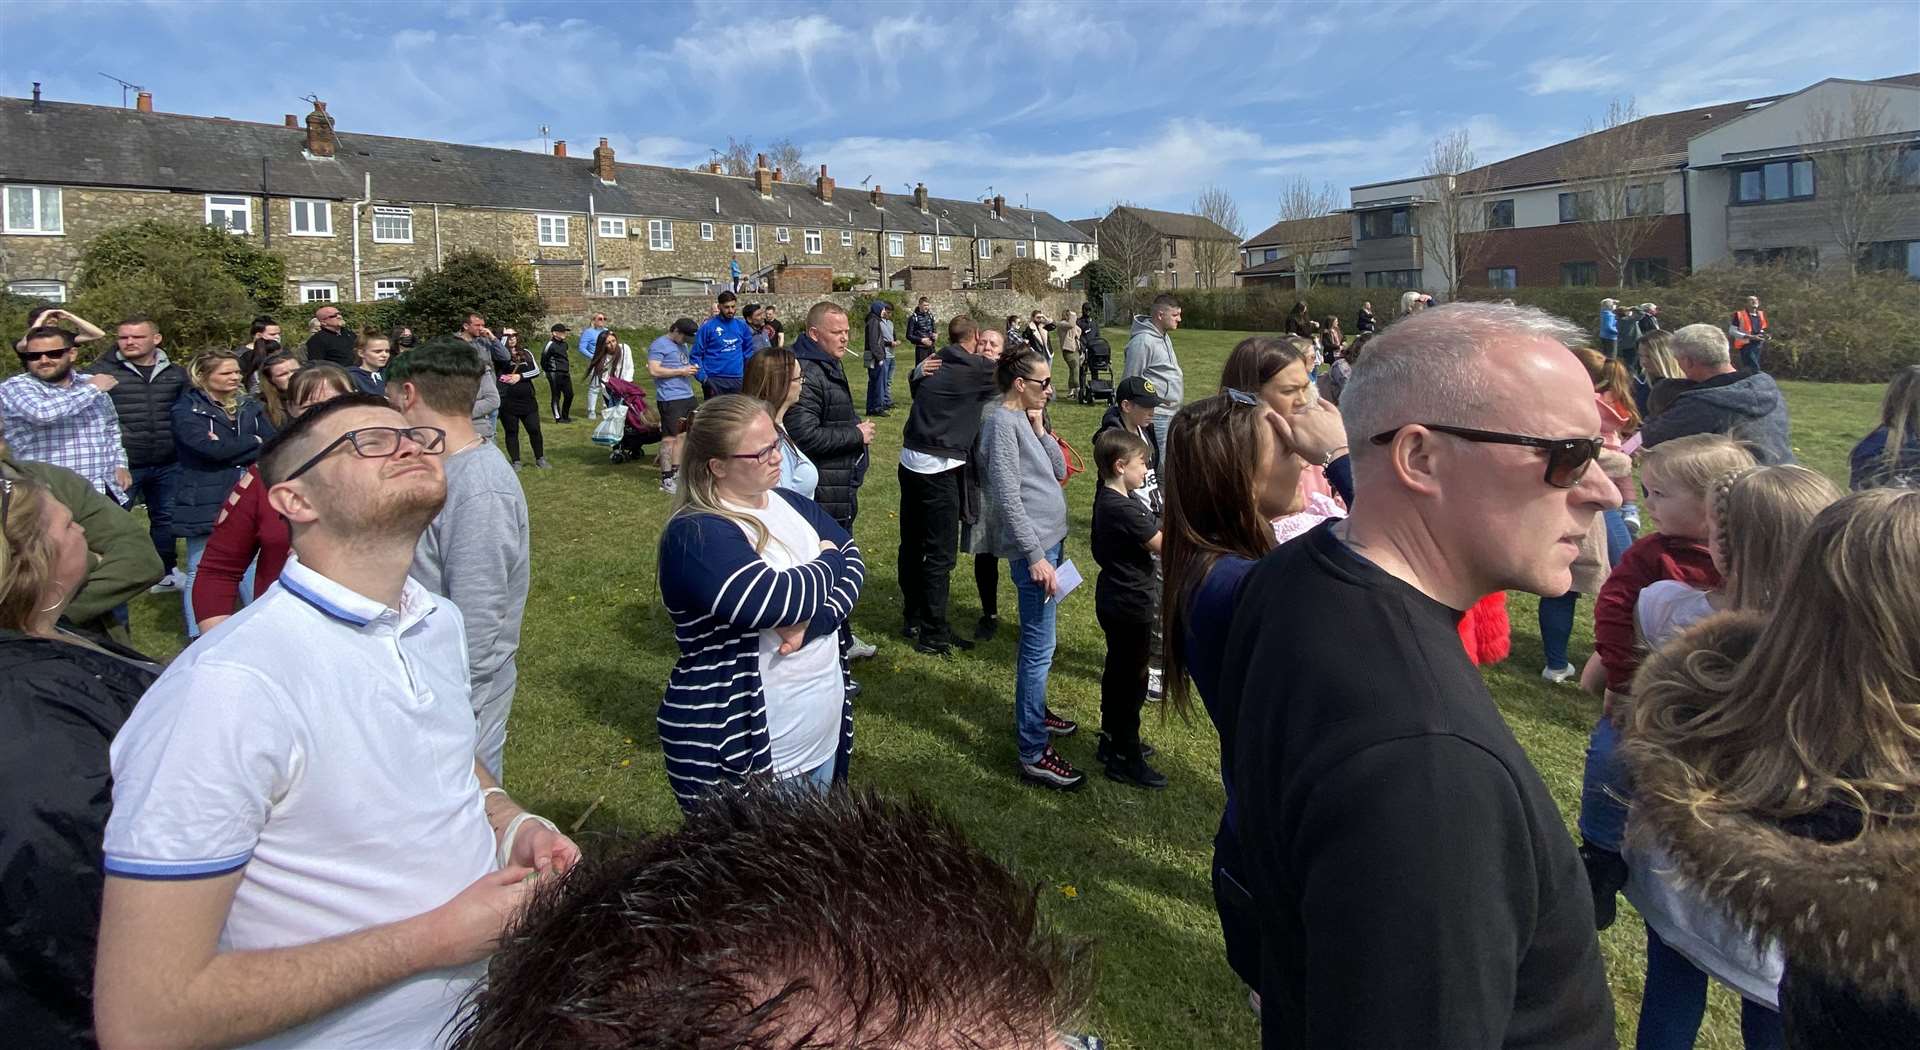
{"x": 1126, "y": 536}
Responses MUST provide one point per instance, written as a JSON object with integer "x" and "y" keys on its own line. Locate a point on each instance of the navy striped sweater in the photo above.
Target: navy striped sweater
{"x": 721, "y": 595}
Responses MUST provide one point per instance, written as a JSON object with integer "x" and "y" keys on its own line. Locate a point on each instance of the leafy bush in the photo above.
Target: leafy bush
{"x": 438, "y": 300}
{"x": 857, "y": 313}
{"x": 844, "y": 284}
{"x": 129, "y": 251}
{"x": 1102, "y": 277}
{"x": 1031, "y": 277}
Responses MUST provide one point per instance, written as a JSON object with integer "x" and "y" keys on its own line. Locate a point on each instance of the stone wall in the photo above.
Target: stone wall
{"x": 659, "y": 311}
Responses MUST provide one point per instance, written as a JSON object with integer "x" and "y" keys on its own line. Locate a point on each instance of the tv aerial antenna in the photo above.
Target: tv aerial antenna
{"x": 125, "y": 86}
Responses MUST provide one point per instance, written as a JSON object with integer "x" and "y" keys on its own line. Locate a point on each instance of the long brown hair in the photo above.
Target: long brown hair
{"x": 1211, "y": 475}
{"x": 275, "y": 403}
{"x": 605, "y": 351}
{"x": 301, "y": 387}
{"x": 1258, "y": 358}
{"x": 1900, "y": 414}
{"x": 769, "y": 374}
{"x": 1763, "y": 514}
{"x": 1610, "y": 377}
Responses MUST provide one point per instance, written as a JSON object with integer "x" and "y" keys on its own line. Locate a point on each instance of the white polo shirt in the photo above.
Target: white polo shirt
{"x": 323, "y": 744}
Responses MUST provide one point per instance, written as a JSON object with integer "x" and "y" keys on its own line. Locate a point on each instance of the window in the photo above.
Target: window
{"x": 1053, "y": 252}
{"x": 742, "y": 237}
{"x": 553, "y": 230}
{"x": 1019, "y": 249}
{"x": 986, "y": 249}
{"x": 319, "y": 292}
{"x": 1902, "y": 256}
{"x": 1910, "y": 167}
{"x": 613, "y": 286}
{"x": 896, "y": 244}
{"x": 780, "y": 234}
{"x": 1579, "y": 274}
{"x": 810, "y": 239}
{"x": 34, "y": 209}
{"x": 1393, "y": 278}
{"x": 1647, "y": 271}
{"x": 846, "y": 238}
{"x": 391, "y": 288}
{"x": 1332, "y": 280}
{"x": 1806, "y": 260}
{"x": 1781, "y": 180}
{"x": 1650, "y": 199}
{"x": 946, "y": 244}
{"x": 1500, "y": 217}
{"x": 51, "y": 291}
{"x": 1503, "y": 276}
{"x": 1575, "y": 207}
{"x": 613, "y": 227}
{"x": 659, "y": 235}
{"x": 926, "y": 243}
{"x": 1270, "y": 255}
{"x": 310, "y": 218}
{"x": 233, "y": 214}
{"x": 1385, "y": 222}
{"x": 392, "y": 225}
{"x": 706, "y": 231}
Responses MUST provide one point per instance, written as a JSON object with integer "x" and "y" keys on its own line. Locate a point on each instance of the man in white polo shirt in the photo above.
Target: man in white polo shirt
{"x": 303, "y": 851}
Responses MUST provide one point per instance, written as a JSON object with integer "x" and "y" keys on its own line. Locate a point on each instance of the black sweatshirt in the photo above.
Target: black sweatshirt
{"x": 1416, "y": 884}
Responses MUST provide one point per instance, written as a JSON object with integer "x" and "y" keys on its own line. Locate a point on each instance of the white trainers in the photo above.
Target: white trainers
{"x": 860, "y": 650}
{"x": 1156, "y": 689}
{"x": 172, "y": 583}
{"x": 1559, "y": 675}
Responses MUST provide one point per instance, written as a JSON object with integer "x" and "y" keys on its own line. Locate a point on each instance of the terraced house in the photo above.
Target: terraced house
{"x": 357, "y": 216}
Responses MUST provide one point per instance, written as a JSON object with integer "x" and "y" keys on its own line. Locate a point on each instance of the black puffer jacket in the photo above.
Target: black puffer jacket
{"x": 215, "y": 449}
{"x": 145, "y": 407}
{"x": 60, "y": 706}
{"x": 823, "y": 424}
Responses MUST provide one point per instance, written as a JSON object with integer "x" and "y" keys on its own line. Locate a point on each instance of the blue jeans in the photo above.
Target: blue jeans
{"x": 880, "y": 386}
{"x": 1556, "y": 627}
{"x": 1618, "y": 537}
{"x": 1750, "y": 356}
{"x": 196, "y": 546}
{"x": 1037, "y": 615}
{"x": 1604, "y": 787}
{"x": 818, "y": 780}
{"x": 1675, "y": 1000}
{"x": 154, "y": 487}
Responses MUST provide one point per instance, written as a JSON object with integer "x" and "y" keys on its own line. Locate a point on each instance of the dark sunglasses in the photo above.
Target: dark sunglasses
{"x": 1567, "y": 458}
{"x": 379, "y": 442}
{"x": 30, "y": 356}
{"x": 1044, "y": 383}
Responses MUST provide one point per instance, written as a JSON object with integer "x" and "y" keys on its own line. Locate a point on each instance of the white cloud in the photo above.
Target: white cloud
{"x": 1555, "y": 75}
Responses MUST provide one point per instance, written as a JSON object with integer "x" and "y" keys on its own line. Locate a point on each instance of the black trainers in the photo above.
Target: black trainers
{"x": 960, "y": 643}
{"x": 1136, "y": 772}
{"x": 1057, "y": 726}
{"x": 1052, "y": 771}
{"x": 1606, "y": 875}
{"x": 1103, "y": 752}
{"x": 931, "y": 646}
{"x": 986, "y": 628}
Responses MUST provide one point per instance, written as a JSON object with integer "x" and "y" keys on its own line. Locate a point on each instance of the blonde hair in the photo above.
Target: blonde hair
{"x": 1763, "y": 514}
{"x": 1656, "y": 356}
{"x": 202, "y": 367}
{"x": 27, "y": 553}
{"x": 1692, "y": 463}
{"x": 1826, "y": 705}
{"x": 715, "y": 430}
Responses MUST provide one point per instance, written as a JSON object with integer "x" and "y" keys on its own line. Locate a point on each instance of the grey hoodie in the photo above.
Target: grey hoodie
{"x": 1747, "y": 406}
{"x": 1150, "y": 354}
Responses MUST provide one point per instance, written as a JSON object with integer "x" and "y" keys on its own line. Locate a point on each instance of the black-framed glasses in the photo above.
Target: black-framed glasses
{"x": 379, "y": 442}
{"x": 766, "y": 455}
{"x": 1567, "y": 458}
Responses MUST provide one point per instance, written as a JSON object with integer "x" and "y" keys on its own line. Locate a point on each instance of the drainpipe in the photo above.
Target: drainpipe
{"x": 266, "y": 208}
{"x": 353, "y": 209}
{"x": 936, "y": 240}
{"x": 437, "y": 261}
{"x": 593, "y": 245}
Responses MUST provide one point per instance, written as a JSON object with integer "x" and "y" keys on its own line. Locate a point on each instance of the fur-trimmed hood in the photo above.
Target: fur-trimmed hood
{"x": 1848, "y": 910}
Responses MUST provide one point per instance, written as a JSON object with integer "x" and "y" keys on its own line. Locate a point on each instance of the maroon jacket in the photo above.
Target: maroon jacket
{"x": 1652, "y": 558}
{"x": 247, "y": 526}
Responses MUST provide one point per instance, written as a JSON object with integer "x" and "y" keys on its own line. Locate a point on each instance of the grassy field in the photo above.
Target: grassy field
{"x": 1123, "y": 867}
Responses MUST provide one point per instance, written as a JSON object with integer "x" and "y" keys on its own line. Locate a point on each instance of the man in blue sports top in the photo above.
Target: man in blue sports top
{"x": 722, "y": 347}
{"x": 589, "y": 342}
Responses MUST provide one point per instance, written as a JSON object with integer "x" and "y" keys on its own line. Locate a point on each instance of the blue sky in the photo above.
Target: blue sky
{"x": 1067, "y": 105}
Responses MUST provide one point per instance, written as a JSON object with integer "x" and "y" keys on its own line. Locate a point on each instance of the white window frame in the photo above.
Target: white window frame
{"x": 781, "y": 234}
{"x": 846, "y": 238}
{"x": 391, "y": 288}
{"x": 926, "y": 243}
{"x": 36, "y": 206}
{"x": 659, "y": 235}
{"x": 743, "y": 234}
{"x": 706, "y": 231}
{"x": 299, "y": 208}
{"x": 896, "y": 245}
{"x": 226, "y": 204}
{"x": 986, "y": 248}
{"x": 319, "y": 292}
{"x": 51, "y": 291}
{"x": 946, "y": 244}
{"x": 812, "y": 242}
{"x": 545, "y": 227}
{"x": 392, "y": 215}
{"x": 615, "y": 286}
{"x": 1053, "y": 252}
{"x": 612, "y": 227}
{"x": 1019, "y": 249}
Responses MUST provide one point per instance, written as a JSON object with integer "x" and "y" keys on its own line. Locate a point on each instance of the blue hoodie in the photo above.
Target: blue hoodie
{"x": 721, "y": 347}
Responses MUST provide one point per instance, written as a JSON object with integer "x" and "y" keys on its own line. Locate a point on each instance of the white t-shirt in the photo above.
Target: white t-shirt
{"x": 1666, "y": 608}
{"x": 803, "y": 691}
{"x": 323, "y": 745}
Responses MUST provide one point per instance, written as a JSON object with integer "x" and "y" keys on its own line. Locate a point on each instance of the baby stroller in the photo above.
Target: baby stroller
{"x": 1096, "y": 369}
{"x": 642, "y": 427}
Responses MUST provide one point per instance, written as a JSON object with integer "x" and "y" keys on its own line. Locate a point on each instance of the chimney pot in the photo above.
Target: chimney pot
{"x": 823, "y": 167}
{"x": 143, "y": 102}
{"x": 759, "y": 161}
{"x": 559, "y": 147}
{"x": 875, "y": 195}
{"x": 293, "y": 121}
{"x": 603, "y": 161}
{"x": 320, "y": 140}
{"x": 36, "y": 104}
{"x": 777, "y": 172}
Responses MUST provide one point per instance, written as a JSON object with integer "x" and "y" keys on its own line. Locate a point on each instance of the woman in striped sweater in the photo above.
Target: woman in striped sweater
{"x": 758, "y": 581}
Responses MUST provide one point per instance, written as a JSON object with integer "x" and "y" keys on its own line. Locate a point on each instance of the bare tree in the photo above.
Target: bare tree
{"x": 784, "y": 154}
{"x": 1129, "y": 243}
{"x": 1453, "y": 225}
{"x": 1310, "y": 210}
{"x": 738, "y": 157}
{"x": 1214, "y": 256}
{"x": 1619, "y": 186}
{"x": 1857, "y": 155}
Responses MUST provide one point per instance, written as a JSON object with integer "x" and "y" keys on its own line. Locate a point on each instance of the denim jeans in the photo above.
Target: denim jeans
{"x": 1556, "y": 627}
{"x": 1604, "y": 787}
{"x": 1675, "y": 1001}
{"x": 1037, "y": 615}
{"x": 818, "y": 780}
{"x": 196, "y": 546}
{"x": 880, "y": 386}
{"x": 1750, "y": 356}
{"x": 1618, "y": 536}
{"x": 154, "y": 487}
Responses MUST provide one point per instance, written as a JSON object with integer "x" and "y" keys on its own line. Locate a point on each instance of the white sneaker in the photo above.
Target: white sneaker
{"x": 1156, "y": 691}
{"x": 860, "y": 650}
{"x": 1558, "y": 675}
{"x": 172, "y": 583}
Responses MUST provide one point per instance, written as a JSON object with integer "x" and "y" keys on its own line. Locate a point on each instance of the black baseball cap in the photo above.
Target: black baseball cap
{"x": 1140, "y": 391}
{"x": 559, "y": 328}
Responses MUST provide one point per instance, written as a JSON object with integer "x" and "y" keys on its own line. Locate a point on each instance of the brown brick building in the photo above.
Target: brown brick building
{"x": 356, "y": 217}
{"x": 1181, "y": 250}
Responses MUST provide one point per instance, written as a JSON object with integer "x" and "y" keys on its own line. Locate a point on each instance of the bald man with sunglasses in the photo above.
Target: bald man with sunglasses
{"x": 1415, "y": 883}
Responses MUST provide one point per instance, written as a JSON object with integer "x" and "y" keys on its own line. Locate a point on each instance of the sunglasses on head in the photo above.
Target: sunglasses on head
{"x": 30, "y": 356}
{"x": 1567, "y": 458}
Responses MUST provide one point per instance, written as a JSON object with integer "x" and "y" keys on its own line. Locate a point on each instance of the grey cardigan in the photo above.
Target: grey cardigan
{"x": 1023, "y": 511}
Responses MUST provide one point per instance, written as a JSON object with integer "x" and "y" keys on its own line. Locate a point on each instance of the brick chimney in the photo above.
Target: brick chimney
{"x": 603, "y": 161}
{"x": 293, "y": 121}
{"x": 875, "y": 195}
{"x": 920, "y": 195}
{"x": 999, "y": 206}
{"x": 320, "y": 141}
{"x": 762, "y": 175}
{"x": 143, "y": 102}
{"x": 715, "y": 168}
{"x": 824, "y": 185}
{"x": 777, "y": 172}
{"x": 559, "y": 147}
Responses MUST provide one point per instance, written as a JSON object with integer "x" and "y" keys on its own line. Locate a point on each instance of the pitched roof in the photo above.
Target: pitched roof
{"x": 1295, "y": 231}
{"x": 73, "y": 144}
{"x": 1180, "y": 224}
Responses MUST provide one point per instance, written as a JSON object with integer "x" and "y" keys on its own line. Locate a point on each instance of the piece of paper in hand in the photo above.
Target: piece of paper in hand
{"x": 1068, "y": 578}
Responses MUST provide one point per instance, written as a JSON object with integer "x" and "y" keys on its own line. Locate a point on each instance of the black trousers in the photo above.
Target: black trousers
{"x": 929, "y": 547}
{"x": 986, "y": 579}
{"x": 1123, "y": 681}
{"x": 514, "y": 414}
{"x": 561, "y": 384}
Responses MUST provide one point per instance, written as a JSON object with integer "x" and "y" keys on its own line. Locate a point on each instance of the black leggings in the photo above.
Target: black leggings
{"x": 512, "y": 416}
{"x": 986, "y": 577}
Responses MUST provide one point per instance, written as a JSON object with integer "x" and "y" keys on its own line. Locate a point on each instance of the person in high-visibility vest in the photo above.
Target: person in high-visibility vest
{"x": 1749, "y": 333}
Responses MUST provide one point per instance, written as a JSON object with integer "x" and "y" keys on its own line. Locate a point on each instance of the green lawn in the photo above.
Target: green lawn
{"x": 1124, "y": 867}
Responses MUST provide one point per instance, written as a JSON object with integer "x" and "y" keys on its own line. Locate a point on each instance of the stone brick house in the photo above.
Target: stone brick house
{"x": 356, "y": 217}
{"x": 1174, "y": 256}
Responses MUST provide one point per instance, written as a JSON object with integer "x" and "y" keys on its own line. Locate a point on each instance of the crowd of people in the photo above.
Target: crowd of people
{"x": 242, "y": 851}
